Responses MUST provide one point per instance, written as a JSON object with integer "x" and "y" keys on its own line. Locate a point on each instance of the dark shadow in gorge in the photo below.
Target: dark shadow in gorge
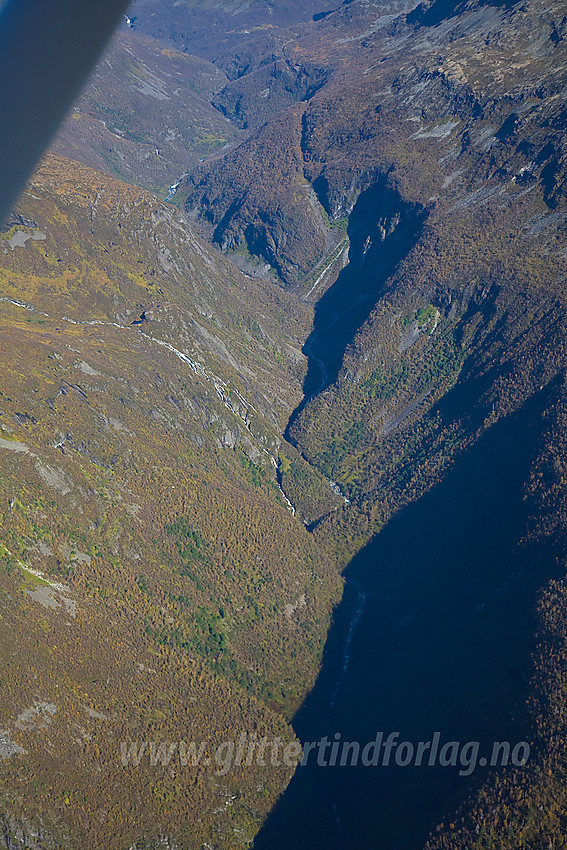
{"x": 382, "y": 230}
{"x": 443, "y": 645}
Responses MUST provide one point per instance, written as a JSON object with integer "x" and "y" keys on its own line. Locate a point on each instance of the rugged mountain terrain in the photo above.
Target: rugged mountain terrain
{"x": 217, "y": 29}
{"x": 390, "y": 359}
{"x": 146, "y": 115}
{"x": 177, "y": 598}
{"x": 164, "y": 97}
{"x": 418, "y": 199}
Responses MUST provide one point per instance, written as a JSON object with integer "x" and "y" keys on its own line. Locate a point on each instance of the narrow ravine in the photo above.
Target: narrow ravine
{"x": 418, "y": 658}
{"x": 173, "y": 189}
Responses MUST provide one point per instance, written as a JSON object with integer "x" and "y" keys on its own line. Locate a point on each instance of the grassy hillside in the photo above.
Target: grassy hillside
{"x": 178, "y": 598}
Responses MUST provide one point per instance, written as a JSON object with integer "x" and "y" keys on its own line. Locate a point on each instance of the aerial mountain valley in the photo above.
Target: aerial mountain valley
{"x": 283, "y": 432}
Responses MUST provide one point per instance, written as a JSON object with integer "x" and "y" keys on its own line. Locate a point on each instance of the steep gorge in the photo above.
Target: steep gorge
{"x": 434, "y": 401}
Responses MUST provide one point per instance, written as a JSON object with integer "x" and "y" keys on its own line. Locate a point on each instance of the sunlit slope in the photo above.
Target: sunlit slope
{"x": 137, "y": 469}
{"x": 146, "y": 114}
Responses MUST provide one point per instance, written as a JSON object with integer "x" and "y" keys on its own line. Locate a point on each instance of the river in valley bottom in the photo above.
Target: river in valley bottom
{"x": 432, "y": 641}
